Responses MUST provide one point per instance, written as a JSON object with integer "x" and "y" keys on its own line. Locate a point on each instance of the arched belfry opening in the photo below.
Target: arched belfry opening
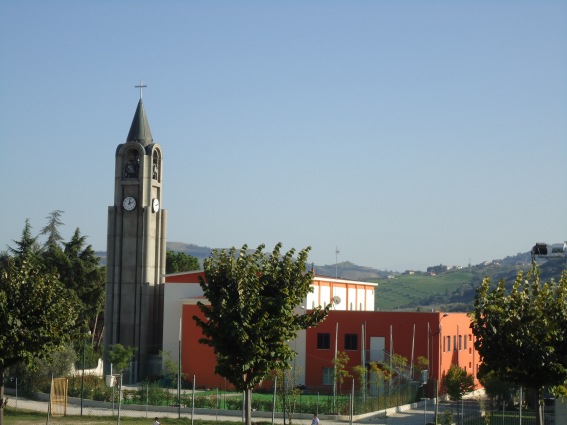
{"x": 156, "y": 166}
{"x": 131, "y": 164}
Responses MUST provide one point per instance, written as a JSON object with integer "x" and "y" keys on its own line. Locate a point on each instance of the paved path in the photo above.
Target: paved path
{"x": 410, "y": 416}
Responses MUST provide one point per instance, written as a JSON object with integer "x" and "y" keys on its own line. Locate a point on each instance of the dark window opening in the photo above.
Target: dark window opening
{"x": 351, "y": 342}
{"x": 323, "y": 341}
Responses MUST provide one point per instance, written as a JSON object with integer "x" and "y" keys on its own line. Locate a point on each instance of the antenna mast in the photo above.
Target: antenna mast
{"x": 336, "y": 261}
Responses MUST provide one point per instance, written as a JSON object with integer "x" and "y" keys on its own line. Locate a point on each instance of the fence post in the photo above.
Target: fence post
{"x": 274, "y": 400}
{"x": 351, "y": 403}
{"x": 119, "y": 397}
{"x": 193, "y": 401}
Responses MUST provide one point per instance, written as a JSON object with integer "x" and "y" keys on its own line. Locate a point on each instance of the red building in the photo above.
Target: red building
{"x": 352, "y": 327}
{"x": 370, "y": 336}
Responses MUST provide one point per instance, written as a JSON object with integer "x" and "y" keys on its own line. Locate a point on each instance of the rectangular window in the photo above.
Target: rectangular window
{"x": 455, "y": 342}
{"x": 444, "y": 344}
{"x": 465, "y": 338}
{"x": 448, "y": 343}
{"x": 328, "y": 373}
{"x": 460, "y": 342}
{"x": 351, "y": 342}
{"x": 323, "y": 341}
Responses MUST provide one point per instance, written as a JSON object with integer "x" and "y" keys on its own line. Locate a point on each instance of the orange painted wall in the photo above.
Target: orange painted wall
{"x": 378, "y": 324}
{"x": 197, "y": 359}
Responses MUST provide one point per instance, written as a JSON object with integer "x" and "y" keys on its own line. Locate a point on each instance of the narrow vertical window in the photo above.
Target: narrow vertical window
{"x": 351, "y": 342}
{"x": 323, "y": 341}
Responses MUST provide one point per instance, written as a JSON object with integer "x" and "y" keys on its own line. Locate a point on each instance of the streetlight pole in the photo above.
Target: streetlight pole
{"x": 438, "y": 380}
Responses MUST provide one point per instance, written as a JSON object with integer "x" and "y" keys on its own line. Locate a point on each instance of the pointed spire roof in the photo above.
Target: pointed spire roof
{"x": 140, "y": 128}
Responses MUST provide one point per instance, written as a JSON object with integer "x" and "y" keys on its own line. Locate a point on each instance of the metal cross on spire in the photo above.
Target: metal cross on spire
{"x": 141, "y": 86}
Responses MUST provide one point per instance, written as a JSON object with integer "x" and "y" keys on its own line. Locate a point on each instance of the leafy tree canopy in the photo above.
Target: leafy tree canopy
{"x": 458, "y": 382}
{"x": 176, "y": 262}
{"x": 77, "y": 267}
{"x": 36, "y": 314}
{"x": 522, "y": 335}
{"x": 120, "y": 356}
{"x": 252, "y": 312}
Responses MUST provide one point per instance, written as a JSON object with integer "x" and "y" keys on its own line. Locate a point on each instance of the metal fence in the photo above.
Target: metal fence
{"x": 394, "y": 405}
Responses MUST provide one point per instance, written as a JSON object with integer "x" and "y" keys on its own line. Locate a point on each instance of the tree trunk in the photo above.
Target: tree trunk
{"x": 247, "y": 406}
{"x": 538, "y": 406}
{"x": 2, "y": 400}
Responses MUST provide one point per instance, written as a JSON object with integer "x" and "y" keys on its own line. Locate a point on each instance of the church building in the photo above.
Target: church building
{"x": 136, "y": 251}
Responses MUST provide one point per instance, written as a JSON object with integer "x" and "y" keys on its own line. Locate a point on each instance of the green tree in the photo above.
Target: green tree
{"x": 340, "y": 368}
{"x": 495, "y": 388}
{"x": 27, "y": 246}
{"x": 120, "y": 356}
{"x": 458, "y": 382}
{"x": 176, "y": 262}
{"x": 171, "y": 370}
{"x": 51, "y": 229}
{"x": 522, "y": 335}
{"x": 252, "y": 312}
{"x": 377, "y": 376}
{"x": 360, "y": 373}
{"x": 421, "y": 364}
{"x": 38, "y": 377}
{"x": 288, "y": 387}
{"x": 36, "y": 315}
{"x": 79, "y": 270}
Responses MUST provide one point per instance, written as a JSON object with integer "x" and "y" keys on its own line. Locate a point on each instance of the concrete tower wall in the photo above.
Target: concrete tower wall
{"x": 136, "y": 251}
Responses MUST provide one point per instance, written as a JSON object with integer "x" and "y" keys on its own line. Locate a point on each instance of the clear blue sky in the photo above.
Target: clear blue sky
{"x": 407, "y": 133}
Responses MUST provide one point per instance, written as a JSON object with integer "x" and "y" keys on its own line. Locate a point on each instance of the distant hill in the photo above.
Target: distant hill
{"x": 346, "y": 270}
{"x": 200, "y": 252}
{"x": 439, "y": 288}
{"x": 454, "y": 289}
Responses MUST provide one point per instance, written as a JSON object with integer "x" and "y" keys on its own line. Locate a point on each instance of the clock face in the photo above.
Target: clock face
{"x": 155, "y": 205}
{"x": 129, "y": 203}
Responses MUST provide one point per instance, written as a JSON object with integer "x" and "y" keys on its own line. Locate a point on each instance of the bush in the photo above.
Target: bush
{"x": 91, "y": 357}
{"x": 104, "y": 393}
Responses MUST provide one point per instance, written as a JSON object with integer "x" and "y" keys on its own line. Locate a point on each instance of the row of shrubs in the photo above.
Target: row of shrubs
{"x": 156, "y": 394}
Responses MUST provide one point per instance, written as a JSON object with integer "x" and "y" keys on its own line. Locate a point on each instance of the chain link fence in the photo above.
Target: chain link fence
{"x": 383, "y": 404}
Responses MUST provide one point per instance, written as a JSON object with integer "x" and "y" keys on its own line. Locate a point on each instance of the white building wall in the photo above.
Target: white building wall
{"x": 366, "y": 298}
{"x": 324, "y": 296}
{"x": 174, "y": 296}
{"x": 341, "y": 293}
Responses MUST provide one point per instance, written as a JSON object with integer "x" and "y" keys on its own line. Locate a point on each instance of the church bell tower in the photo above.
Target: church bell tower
{"x": 136, "y": 251}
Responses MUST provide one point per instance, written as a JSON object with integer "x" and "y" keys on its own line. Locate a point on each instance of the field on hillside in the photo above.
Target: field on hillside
{"x": 407, "y": 292}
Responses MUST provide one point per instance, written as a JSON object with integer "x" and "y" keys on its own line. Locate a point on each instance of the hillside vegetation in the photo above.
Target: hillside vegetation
{"x": 453, "y": 290}
{"x": 446, "y": 289}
